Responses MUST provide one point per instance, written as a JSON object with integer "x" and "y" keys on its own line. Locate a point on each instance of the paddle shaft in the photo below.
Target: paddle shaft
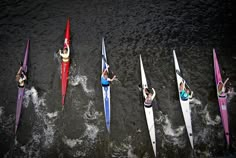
{"x": 107, "y": 63}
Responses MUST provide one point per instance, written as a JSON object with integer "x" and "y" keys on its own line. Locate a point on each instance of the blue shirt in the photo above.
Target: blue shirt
{"x": 104, "y": 81}
{"x": 184, "y": 95}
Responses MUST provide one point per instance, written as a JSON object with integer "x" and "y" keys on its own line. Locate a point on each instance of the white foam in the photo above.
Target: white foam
{"x": 79, "y": 79}
{"x": 1, "y": 111}
{"x": 57, "y": 57}
{"x": 206, "y": 116}
{"x": 124, "y": 149}
{"x": 168, "y": 130}
{"x": 79, "y": 154}
{"x": 46, "y": 119}
{"x": 72, "y": 142}
{"x": 231, "y": 93}
{"x": 52, "y": 115}
{"x": 209, "y": 121}
{"x": 91, "y": 132}
{"x": 195, "y": 101}
{"x": 91, "y": 114}
{"x": 130, "y": 153}
{"x": 173, "y": 135}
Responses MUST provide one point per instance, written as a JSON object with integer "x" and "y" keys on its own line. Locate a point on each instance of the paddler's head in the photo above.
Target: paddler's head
{"x": 181, "y": 85}
{"x": 220, "y": 86}
{"x": 188, "y": 91}
{"x": 105, "y": 75}
{"x": 17, "y": 77}
{"x": 65, "y": 50}
{"x": 149, "y": 95}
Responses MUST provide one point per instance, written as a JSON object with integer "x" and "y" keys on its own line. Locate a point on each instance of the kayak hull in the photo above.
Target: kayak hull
{"x": 148, "y": 111}
{"x": 106, "y": 91}
{"x": 65, "y": 66}
{"x": 222, "y": 101}
{"x": 64, "y": 79}
{"x": 21, "y": 91}
{"x": 185, "y": 107}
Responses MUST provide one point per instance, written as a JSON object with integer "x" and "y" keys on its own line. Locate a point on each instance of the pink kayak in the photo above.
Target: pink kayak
{"x": 221, "y": 98}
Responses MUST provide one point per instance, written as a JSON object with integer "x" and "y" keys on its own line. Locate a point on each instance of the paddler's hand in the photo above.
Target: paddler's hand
{"x": 58, "y": 51}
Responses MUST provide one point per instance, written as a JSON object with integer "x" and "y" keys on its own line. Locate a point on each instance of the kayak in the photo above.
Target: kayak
{"x": 65, "y": 65}
{"x": 148, "y": 110}
{"x": 221, "y": 98}
{"x": 106, "y": 90}
{"x": 184, "y": 103}
{"x": 21, "y": 91}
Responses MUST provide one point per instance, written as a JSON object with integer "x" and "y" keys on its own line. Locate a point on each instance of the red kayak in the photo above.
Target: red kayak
{"x": 65, "y": 65}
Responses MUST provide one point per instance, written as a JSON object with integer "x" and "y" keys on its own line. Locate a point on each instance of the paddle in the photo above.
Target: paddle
{"x": 184, "y": 81}
{"x": 103, "y": 57}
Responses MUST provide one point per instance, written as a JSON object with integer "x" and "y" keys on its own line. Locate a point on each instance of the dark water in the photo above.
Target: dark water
{"x": 131, "y": 27}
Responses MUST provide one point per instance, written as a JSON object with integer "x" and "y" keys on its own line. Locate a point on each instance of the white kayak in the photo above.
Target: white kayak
{"x": 184, "y": 103}
{"x": 148, "y": 111}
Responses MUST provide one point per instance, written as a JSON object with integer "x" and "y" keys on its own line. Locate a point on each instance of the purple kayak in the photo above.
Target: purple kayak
{"x": 221, "y": 98}
{"x": 21, "y": 90}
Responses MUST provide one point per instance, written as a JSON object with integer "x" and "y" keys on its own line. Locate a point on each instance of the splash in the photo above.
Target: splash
{"x": 91, "y": 114}
{"x": 1, "y": 111}
{"x": 124, "y": 149}
{"x": 6, "y": 122}
{"x": 231, "y": 93}
{"x": 208, "y": 119}
{"x": 130, "y": 153}
{"x": 195, "y": 101}
{"x": 171, "y": 135}
{"x": 168, "y": 130}
{"x": 52, "y": 115}
{"x": 72, "y": 142}
{"x": 79, "y": 79}
{"x": 91, "y": 132}
{"x": 43, "y": 129}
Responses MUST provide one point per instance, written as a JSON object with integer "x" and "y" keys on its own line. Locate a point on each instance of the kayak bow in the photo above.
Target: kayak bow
{"x": 221, "y": 99}
{"x": 21, "y": 90}
{"x": 148, "y": 110}
{"x": 65, "y": 65}
{"x": 184, "y": 103}
{"x": 106, "y": 90}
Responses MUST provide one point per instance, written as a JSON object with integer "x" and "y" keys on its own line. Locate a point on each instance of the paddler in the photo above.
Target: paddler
{"x": 21, "y": 77}
{"x": 105, "y": 80}
{"x": 148, "y": 96}
{"x": 185, "y": 93}
{"x": 65, "y": 53}
{"x": 221, "y": 88}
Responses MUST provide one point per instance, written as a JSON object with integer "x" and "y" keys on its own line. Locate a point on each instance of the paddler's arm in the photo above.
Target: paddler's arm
{"x": 144, "y": 93}
{"x": 107, "y": 66}
{"x": 225, "y": 82}
{"x": 113, "y": 78}
{"x": 191, "y": 95}
{"x": 154, "y": 93}
{"x": 68, "y": 49}
{"x": 24, "y": 78}
{"x": 19, "y": 71}
{"x": 60, "y": 52}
